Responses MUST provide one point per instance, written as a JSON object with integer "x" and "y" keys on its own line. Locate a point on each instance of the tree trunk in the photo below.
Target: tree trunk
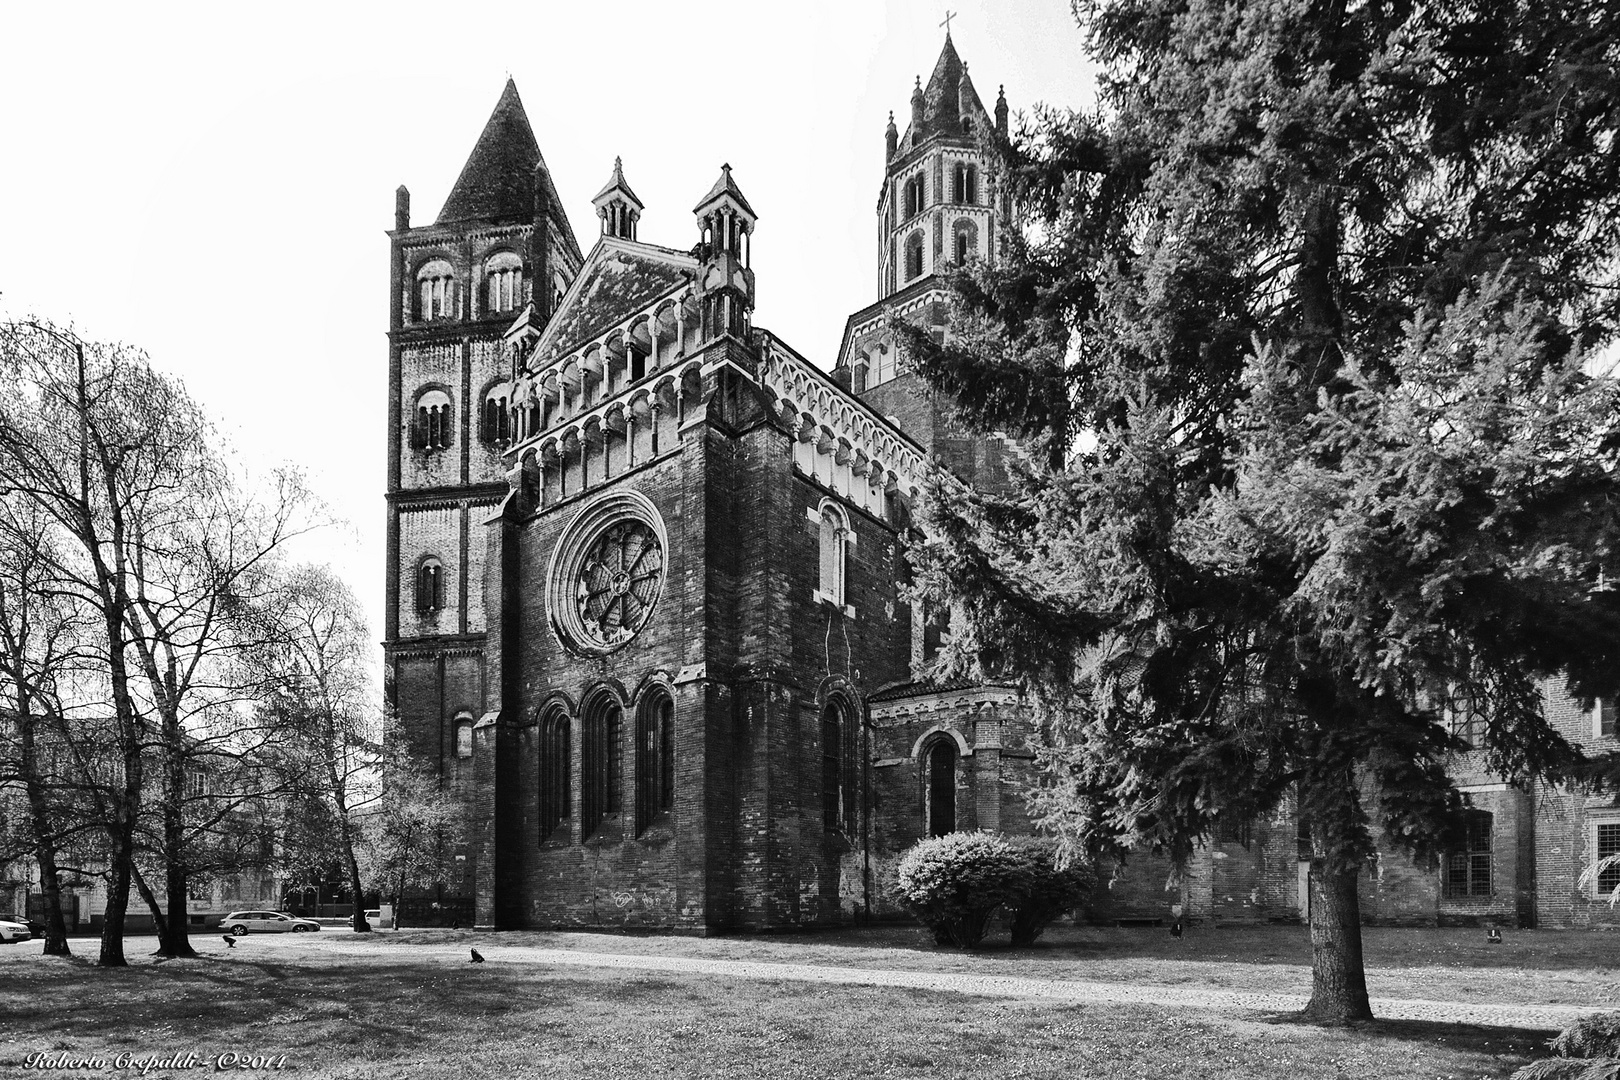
{"x": 174, "y": 938}
{"x": 1338, "y": 975}
{"x": 39, "y": 811}
{"x": 159, "y": 920}
{"x": 112, "y": 920}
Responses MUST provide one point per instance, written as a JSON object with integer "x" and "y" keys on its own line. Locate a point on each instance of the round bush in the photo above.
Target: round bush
{"x": 1041, "y": 892}
{"x": 953, "y": 883}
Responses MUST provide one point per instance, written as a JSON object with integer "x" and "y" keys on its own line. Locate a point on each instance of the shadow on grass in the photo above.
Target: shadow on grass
{"x": 1475, "y": 1038}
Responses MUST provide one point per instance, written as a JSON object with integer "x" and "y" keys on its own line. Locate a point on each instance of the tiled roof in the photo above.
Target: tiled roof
{"x": 930, "y": 686}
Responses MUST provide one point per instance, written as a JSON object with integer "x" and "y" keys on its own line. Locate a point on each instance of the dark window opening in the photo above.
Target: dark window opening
{"x": 1608, "y": 843}
{"x": 1606, "y": 714}
{"x": 429, "y": 587}
{"x": 655, "y": 760}
{"x": 967, "y": 184}
{"x": 914, "y": 256}
{"x": 1231, "y": 829}
{"x": 942, "y": 788}
{"x": 601, "y": 765}
{"x": 496, "y": 429}
{"x": 554, "y": 793}
{"x": 1468, "y": 870}
{"x": 835, "y": 810}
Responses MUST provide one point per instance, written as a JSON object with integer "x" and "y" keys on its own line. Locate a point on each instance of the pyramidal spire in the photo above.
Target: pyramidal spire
{"x": 497, "y": 183}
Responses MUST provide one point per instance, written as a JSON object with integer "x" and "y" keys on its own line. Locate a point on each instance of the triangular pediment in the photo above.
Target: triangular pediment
{"x": 619, "y": 278}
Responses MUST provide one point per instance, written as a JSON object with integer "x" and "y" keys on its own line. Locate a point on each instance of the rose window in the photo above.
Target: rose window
{"x": 618, "y": 583}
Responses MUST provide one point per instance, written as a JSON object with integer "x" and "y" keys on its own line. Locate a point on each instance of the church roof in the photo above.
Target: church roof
{"x": 620, "y": 278}
{"x": 724, "y": 186}
{"x": 941, "y": 109}
{"x": 497, "y": 183}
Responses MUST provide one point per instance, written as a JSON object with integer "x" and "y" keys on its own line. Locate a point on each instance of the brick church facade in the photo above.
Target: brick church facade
{"x": 645, "y": 568}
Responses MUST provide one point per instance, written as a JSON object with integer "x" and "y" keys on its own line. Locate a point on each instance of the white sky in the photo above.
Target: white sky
{"x": 212, "y": 182}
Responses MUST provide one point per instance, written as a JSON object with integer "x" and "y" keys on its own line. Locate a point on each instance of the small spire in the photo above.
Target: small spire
{"x": 617, "y": 205}
{"x": 891, "y": 137}
{"x": 1001, "y": 111}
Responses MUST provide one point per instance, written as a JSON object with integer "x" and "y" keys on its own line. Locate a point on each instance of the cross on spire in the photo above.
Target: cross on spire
{"x": 949, "y": 15}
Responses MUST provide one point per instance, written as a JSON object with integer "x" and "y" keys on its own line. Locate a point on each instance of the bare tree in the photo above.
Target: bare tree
{"x": 38, "y": 629}
{"x": 162, "y": 547}
{"x": 317, "y": 686}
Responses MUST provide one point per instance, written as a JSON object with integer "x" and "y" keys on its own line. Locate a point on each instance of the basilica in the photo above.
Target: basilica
{"x": 646, "y": 567}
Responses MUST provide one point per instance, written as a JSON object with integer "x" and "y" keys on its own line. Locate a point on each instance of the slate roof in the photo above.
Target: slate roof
{"x": 497, "y": 183}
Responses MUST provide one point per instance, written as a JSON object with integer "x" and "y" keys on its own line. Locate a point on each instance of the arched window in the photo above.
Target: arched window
{"x": 438, "y": 295}
{"x": 914, "y": 256}
{"x": 967, "y": 184}
{"x": 434, "y": 428}
{"x": 601, "y": 763}
{"x": 495, "y": 419}
{"x": 503, "y": 276}
{"x": 554, "y": 791}
{"x": 833, "y": 537}
{"x": 941, "y": 806}
{"x": 429, "y": 586}
{"x": 655, "y": 759}
{"x": 966, "y": 235}
{"x": 464, "y": 735}
{"x": 837, "y": 806}
{"x": 914, "y": 195}
{"x": 1468, "y": 868}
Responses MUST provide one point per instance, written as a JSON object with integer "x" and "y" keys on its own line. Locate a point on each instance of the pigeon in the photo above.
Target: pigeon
{"x": 477, "y": 956}
{"x": 1175, "y": 929}
{"x": 230, "y": 942}
{"x": 1493, "y": 937}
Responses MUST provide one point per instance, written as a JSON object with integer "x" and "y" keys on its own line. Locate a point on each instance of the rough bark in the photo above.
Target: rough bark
{"x": 1338, "y": 976}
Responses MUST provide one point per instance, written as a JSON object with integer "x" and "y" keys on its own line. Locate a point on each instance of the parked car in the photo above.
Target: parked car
{"x": 266, "y": 922}
{"x": 373, "y": 916}
{"x": 14, "y": 931}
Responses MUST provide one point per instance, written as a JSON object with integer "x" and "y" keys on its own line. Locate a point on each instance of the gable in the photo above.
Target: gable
{"x": 615, "y": 283}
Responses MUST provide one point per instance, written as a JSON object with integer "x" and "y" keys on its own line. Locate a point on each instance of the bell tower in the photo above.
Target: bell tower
{"x": 941, "y": 208}
{"x": 499, "y": 254}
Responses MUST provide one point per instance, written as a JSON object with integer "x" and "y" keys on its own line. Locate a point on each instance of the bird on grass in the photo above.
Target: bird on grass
{"x": 1175, "y": 929}
{"x": 230, "y": 942}
{"x": 1493, "y": 937}
{"x": 477, "y": 957}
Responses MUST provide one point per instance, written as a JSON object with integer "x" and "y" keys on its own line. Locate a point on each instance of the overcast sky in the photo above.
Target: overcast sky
{"x": 212, "y": 182}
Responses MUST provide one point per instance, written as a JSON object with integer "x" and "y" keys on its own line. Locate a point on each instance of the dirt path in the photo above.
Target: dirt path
{"x": 1074, "y": 990}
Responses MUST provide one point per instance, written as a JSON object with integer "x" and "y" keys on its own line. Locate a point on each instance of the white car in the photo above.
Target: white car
{"x": 14, "y": 931}
{"x": 266, "y": 922}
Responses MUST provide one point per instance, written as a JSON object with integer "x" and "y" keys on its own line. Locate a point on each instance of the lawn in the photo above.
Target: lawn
{"x": 381, "y": 1007}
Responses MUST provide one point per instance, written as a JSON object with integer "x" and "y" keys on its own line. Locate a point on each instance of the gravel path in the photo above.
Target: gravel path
{"x": 1087, "y": 991}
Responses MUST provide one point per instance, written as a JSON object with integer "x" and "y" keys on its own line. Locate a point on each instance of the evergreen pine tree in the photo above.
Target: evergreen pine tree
{"x": 1298, "y": 326}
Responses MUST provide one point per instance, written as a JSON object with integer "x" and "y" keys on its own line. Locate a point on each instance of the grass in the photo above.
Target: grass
{"x": 382, "y": 1007}
{"x": 1545, "y": 967}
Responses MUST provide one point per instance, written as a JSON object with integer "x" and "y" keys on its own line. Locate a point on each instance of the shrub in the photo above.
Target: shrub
{"x": 1587, "y": 1050}
{"x": 1595, "y": 1036}
{"x": 953, "y": 883}
{"x": 1041, "y": 891}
